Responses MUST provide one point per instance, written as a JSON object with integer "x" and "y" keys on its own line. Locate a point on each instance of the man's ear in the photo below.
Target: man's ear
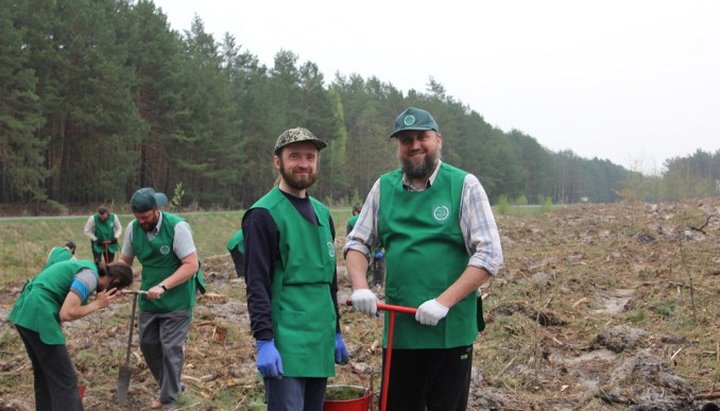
{"x": 276, "y": 162}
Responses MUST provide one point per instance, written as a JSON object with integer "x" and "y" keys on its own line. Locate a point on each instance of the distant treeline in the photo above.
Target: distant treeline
{"x": 100, "y": 97}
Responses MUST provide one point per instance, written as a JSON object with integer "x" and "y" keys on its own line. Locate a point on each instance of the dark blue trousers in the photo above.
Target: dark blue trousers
{"x": 55, "y": 379}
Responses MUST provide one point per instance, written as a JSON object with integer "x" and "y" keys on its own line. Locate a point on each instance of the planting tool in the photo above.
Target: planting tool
{"x": 392, "y": 309}
{"x": 106, "y": 252}
{"x": 125, "y": 370}
{"x": 136, "y": 292}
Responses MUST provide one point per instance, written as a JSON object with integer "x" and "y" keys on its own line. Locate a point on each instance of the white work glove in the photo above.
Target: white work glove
{"x": 431, "y": 312}
{"x": 364, "y": 300}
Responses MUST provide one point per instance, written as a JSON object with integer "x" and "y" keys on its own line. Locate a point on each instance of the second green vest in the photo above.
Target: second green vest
{"x": 303, "y": 314}
{"x": 38, "y": 306}
{"x": 104, "y": 231}
{"x": 236, "y": 241}
{"x": 58, "y": 254}
{"x": 159, "y": 262}
{"x": 425, "y": 253}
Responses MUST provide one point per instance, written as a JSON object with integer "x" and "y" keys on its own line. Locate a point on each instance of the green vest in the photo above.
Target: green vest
{"x": 425, "y": 253}
{"x": 104, "y": 231}
{"x": 303, "y": 314}
{"x": 58, "y": 254}
{"x": 160, "y": 262}
{"x": 236, "y": 241}
{"x": 38, "y": 306}
{"x": 351, "y": 223}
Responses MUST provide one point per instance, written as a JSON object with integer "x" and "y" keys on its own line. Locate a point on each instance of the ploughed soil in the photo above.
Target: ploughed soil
{"x": 599, "y": 307}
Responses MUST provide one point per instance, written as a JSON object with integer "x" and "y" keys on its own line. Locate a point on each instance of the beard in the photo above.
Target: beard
{"x": 421, "y": 169}
{"x": 297, "y": 182}
{"x": 149, "y": 226}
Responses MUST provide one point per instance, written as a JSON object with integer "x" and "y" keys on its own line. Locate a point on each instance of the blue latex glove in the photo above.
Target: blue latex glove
{"x": 341, "y": 354}
{"x": 269, "y": 362}
{"x": 379, "y": 255}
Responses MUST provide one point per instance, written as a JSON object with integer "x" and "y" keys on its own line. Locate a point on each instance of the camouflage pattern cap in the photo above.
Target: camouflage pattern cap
{"x": 296, "y": 135}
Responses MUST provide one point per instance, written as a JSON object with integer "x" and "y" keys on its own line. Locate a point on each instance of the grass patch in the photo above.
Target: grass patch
{"x": 665, "y": 308}
{"x": 27, "y": 241}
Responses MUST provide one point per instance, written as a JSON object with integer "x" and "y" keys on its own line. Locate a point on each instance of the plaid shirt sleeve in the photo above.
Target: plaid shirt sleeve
{"x": 477, "y": 224}
{"x": 364, "y": 237}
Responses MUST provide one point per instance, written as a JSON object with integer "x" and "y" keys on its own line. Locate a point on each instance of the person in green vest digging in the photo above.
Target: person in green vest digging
{"x": 441, "y": 244}
{"x": 291, "y": 278}
{"x": 237, "y": 251}
{"x": 61, "y": 293}
{"x": 163, "y": 244}
{"x": 103, "y": 228}
{"x": 64, "y": 253}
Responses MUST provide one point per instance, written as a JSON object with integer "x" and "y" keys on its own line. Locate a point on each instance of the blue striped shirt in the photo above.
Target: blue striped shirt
{"x": 84, "y": 284}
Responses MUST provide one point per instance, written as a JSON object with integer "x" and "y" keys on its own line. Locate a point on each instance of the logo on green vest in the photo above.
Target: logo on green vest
{"x": 409, "y": 120}
{"x": 441, "y": 213}
{"x": 331, "y": 249}
{"x": 165, "y": 249}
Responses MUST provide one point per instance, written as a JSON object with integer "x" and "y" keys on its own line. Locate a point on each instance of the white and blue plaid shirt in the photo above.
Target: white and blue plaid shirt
{"x": 477, "y": 224}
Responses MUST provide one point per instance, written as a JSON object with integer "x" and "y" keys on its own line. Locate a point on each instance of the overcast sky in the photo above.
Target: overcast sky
{"x": 632, "y": 81}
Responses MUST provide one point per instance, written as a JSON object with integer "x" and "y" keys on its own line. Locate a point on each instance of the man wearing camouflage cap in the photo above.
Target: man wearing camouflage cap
{"x": 291, "y": 280}
{"x": 441, "y": 243}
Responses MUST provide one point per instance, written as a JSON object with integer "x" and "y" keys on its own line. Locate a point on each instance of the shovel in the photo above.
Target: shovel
{"x": 126, "y": 370}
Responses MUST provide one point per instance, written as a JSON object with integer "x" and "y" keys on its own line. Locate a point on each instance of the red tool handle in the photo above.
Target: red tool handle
{"x": 106, "y": 252}
{"x": 396, "y": 308}
{"x": 388, "y": 351}
{"x": 390, "y": 307}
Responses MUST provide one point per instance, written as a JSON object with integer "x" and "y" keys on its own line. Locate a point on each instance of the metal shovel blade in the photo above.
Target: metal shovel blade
{"x": 123, "y": 384}
{"x": 125, "y": 369}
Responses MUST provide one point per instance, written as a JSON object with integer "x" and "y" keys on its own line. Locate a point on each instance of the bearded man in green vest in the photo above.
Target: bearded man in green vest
{"x": 64, "y": 253}
{"x": 441, "y": 243}
{"x": 291, "y": 278}
{"x": 163, "y": 244}
{"x": 103, "y": 228}
{"x": 61, "y": 293}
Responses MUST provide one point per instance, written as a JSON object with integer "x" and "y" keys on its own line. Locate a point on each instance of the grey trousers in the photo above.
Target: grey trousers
{"x": 162, "y": 342}
{"x": 295, "y": 394}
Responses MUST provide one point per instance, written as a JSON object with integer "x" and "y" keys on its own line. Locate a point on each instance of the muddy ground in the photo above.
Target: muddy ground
{"x": 599, "y": 307}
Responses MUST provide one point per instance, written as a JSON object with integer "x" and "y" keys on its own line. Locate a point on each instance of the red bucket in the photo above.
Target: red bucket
{"x": 359, "y": 398}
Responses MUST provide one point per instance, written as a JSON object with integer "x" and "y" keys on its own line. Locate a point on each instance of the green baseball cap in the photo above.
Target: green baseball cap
{"x": 414, "y": 119}
{"x": 146, "y": 199}
{"x": 296, "y": 135}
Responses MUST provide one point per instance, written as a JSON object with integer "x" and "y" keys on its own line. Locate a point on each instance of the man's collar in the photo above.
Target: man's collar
{"x": 156, "y": 230}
